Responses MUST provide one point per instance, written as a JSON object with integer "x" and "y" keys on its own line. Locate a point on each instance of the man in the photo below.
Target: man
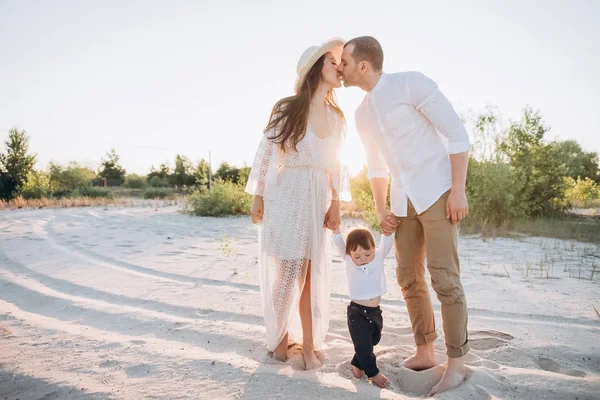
{"x": 399, "y": 122}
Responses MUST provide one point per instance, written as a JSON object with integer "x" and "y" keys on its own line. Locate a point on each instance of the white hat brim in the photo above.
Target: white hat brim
{"x": 333, "y": 45}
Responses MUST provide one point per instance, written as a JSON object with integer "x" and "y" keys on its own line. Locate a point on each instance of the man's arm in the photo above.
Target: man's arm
{"x": 431, "y": 102}
{"x": 457, "y": 206}
{"x": 378, "y": 177}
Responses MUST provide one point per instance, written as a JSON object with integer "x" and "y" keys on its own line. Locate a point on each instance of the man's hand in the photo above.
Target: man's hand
{"x": 388, "y": 223}
{"x": 258, "y": 209}
{"x": 332, "y": 217}
{"x": 457, "y": 206}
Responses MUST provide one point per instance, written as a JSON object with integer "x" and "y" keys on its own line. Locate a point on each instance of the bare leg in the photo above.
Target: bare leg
{"x": 453, "y": 377}
{"x": 310, "y": 359}
{"x": 423, "y": 359}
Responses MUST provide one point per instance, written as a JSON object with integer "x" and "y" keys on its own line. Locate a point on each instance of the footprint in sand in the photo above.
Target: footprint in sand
{"x": 473, "y": 360}
{"x": 489, "y": 340}
{"x": 204, "y": 312}
{"x": 108, "y": 364}
{"x": 137, "y": 342}
{"x": 550, "y": 365}
{"x": 138, "y": 371}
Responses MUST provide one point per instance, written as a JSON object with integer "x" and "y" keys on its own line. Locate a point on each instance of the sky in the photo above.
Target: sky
{"x": 158, "y": 78}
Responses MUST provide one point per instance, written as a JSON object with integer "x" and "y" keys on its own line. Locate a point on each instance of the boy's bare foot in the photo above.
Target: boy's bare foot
{"x": 280, "y": 352}
{"x": 310, "y": 360}
{"x": 423, "y": 359}
{"x": 453, "y": 377}
{"x": 380, "y": 380}
{"x": 359, "y": 373}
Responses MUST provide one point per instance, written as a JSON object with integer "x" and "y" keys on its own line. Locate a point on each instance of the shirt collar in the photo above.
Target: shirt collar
{"x": 379, "y": 84}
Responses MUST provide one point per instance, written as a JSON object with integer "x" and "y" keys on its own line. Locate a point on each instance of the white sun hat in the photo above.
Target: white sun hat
{"x": 313, "y": 53}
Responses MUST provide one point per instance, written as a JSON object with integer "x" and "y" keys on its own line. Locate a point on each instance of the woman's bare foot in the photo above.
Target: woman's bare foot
{"x": 359, "y": 373}
{"x": 423, "y": 359}
{"x": 310, "y": 360}
{"x": 280, "y": 352}
{"x": 453, "y": 377}
{"x": 380, "y": 380}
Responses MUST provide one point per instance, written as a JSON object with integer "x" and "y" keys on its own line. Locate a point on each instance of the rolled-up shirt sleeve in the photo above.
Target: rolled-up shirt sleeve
{"x": 431, "y": 102}
{"x": 376, "y": 164}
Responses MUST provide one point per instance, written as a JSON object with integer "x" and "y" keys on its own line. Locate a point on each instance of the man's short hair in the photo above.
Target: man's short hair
{"x": 367, "y": 48}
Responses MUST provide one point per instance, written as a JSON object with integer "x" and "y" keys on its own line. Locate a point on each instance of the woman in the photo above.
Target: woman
{"x": 295, "y": 180}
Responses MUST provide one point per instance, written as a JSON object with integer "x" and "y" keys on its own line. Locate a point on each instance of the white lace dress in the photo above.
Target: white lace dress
{"x": 296, "y": 187}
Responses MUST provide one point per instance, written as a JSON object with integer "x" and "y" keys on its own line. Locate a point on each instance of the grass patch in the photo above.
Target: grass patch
{"x": 120, "y": 191}
{"x": 65, "y": 202}
{"x": 571, "y": 227}
{"x": 159, "y": 193}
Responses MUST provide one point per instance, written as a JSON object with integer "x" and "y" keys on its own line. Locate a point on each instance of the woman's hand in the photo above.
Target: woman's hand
{"x": 258, "y": 210}
{"x": 332, "y": 217}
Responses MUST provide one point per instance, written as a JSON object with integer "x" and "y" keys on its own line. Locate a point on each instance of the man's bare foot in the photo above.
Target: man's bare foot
{"x": 380, "y": 380}
{"x": 417, "y": 363}
{"x": 310, "y": 360}
{"x": 280, "y": 352}
{"x": 453, "y": 377}
{"x": 423, "y": 359}
{"x": 359, "y": 373}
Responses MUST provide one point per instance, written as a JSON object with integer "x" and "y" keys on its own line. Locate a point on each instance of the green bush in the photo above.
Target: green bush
{"x": 133, "y": 181}
{"x": 36, "y": 186}
{"x": 65, "y": 180}
{"x": 159, "y": 193}
{"x": 362, "y": 197}
{"x": 225, "y": 198}
{"x": 158, "y": 182}
{"x": 581, "y": 192}
{"x": 491, "y": 195}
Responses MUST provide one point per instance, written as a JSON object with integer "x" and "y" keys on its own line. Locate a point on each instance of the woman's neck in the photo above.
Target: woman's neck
{"x": 318, "y": 99}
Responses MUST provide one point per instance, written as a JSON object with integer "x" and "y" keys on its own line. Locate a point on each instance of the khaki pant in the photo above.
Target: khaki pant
{"x": 433, "y": 236}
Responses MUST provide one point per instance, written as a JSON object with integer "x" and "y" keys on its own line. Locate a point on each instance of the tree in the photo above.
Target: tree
{"x": 578, "y": 163}
{"x": 539, "y": 174}
{"x": 201, "y": 173}
{"x": 111, "y": 169}
{"x": 64, "y": 180}
{"x": 163, "y": 171}
{"x": 183, "y": 174}
{"x": 228, "y": 172}
{"x": 16, "y": 164}
{"x": 159, "y": 177}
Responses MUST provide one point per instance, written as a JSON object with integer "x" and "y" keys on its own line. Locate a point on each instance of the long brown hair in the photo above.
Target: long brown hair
{"x": 289, "y": 116}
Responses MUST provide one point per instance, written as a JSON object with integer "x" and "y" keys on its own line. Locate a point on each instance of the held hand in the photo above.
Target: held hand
{"x": 388, "y": 223}
{"x": 457, "y": 206}
{"x": 257, "y": 210}
{"x": 332, "y": 217}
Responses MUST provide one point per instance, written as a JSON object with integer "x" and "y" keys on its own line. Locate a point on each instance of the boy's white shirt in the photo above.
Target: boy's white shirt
{"x": 365, "y": 281}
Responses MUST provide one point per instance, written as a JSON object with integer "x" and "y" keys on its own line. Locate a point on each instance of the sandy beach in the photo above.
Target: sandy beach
{"x": 149, "y": 303}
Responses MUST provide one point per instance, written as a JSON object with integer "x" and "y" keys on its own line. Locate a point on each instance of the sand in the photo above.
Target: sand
{"x": 148, "y": 303}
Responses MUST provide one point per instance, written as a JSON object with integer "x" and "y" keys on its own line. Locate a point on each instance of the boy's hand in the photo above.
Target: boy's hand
{"x": 380, "y": 380}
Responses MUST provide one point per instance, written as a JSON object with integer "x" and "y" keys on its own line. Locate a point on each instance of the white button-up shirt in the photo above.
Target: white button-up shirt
{"x": 365, "y": 281}
{"x": 409, "y": 128}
